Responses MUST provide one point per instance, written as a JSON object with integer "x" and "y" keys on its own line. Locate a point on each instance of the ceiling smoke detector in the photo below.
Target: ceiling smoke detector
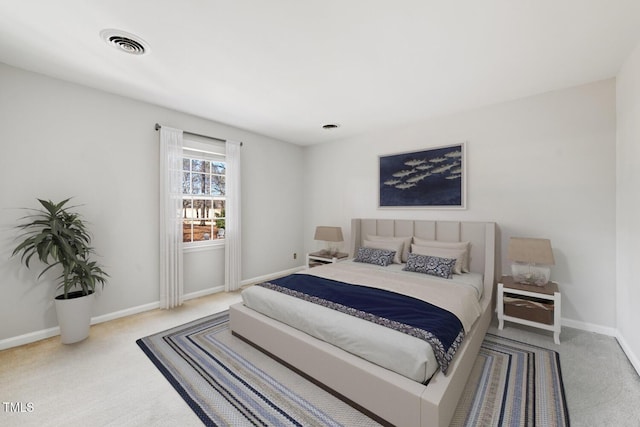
{"x": 125, "y": 42}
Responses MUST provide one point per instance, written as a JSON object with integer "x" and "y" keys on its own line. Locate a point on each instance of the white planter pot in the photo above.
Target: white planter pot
{"x": 74, "y": 317}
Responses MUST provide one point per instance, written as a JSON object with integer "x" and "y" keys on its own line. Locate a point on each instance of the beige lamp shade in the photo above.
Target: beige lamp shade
{"x": 328, "y": 234}
{"x": 532, "y": 251}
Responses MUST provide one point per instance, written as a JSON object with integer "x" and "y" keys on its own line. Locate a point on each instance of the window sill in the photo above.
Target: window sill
{"x": 203, "y": 246}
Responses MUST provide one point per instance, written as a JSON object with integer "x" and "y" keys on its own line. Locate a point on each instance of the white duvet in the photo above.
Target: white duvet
{"x": 401, "y": 353}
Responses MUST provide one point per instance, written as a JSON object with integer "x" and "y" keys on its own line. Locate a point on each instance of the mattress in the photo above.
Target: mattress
{"x": 393, "y": 350}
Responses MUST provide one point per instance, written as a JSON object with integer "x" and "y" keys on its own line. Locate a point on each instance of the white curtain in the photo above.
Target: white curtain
{"x": 171, "y": 283}
{"x": 233, "y": 238}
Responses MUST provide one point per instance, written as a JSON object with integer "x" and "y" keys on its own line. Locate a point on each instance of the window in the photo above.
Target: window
{"x": 203, "y": 200}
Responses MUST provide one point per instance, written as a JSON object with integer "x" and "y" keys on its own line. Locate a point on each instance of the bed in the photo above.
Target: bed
{"x": 398, "y": 398}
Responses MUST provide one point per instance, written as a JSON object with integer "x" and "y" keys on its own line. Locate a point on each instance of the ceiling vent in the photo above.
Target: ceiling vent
{"x": 125, "y": 42}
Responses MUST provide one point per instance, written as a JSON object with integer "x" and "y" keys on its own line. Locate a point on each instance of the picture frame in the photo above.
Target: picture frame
{"x": 429, "y": 178}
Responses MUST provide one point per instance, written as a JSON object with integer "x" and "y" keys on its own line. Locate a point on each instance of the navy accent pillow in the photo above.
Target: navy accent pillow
{"x": 382, "y": 257}
{"x": 433, "y": 265}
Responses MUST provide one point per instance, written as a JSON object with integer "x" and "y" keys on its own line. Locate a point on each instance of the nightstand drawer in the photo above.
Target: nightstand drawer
{"x": 530, "y": 309}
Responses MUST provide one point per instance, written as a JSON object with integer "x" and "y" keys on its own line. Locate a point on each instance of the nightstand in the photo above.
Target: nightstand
{"x": 536, "y": 306}
{"x": 315, "y": 259}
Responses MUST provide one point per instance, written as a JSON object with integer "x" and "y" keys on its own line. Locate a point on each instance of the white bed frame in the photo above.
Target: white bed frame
{"x": 390, "y": 397}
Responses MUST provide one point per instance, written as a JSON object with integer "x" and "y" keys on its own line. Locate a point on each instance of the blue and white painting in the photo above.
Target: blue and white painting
{"x": 429, "y": 178}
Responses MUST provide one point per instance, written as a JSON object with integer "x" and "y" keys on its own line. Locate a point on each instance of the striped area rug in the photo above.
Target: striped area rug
{"x": 513, "y": 384}
{"x": 227, "y": 382}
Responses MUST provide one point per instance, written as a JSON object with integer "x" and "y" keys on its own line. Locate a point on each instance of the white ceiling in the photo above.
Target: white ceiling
{"x": 283, "y": 68}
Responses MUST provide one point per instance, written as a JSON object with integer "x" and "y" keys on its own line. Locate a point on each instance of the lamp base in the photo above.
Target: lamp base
{"x": 330, "y": 250}
{"x": 530, "y": 274}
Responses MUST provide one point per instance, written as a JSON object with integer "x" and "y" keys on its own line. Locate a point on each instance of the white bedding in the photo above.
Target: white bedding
{"x": 401, "y": 353}
{"x": 473, "y": 280}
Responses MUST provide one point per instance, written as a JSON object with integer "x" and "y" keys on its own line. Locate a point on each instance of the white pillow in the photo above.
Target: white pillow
{"x": 448, "y": 245}
{"x": 385, "y": 244}
{"x": 457, "y": 254}
{"x": 406, "y": 241}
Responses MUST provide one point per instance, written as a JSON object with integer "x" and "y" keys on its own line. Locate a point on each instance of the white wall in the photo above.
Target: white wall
{"x": 628, "y": 209}
{"x": 543, "y": 166}
{"x": 59, "y": 139}
{"x": 203, "y": 270}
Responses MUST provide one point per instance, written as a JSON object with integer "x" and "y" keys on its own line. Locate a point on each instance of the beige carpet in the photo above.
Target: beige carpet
{"x": 103, "y": 381}
{"x": 107, "y": 381}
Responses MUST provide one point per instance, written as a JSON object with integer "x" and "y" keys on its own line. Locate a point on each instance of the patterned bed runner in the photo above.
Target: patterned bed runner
{"x": 420, "y": 319}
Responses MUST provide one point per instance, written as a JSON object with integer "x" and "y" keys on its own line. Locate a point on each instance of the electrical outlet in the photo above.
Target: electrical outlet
{"x": 295, "y": 255}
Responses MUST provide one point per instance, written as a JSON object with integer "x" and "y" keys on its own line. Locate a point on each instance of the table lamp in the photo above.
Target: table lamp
{"x": 331, "y": 235}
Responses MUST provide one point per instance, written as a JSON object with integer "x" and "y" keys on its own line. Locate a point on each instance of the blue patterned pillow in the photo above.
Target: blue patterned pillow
{"x": 382, "y": 257}
{"x": 433, "y": 265}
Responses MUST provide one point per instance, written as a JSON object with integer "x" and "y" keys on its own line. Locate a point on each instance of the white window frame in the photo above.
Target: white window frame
{"x": 197, "y": 149}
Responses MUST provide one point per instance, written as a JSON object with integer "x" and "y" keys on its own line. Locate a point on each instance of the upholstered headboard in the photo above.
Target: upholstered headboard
{"x": 481, "y": 235}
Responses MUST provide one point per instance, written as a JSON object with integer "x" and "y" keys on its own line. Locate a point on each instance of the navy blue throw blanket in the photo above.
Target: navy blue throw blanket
{"x": 420, "y": 319}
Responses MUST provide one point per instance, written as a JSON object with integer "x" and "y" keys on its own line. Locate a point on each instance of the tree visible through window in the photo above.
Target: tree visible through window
{"x": 203, "y": 204}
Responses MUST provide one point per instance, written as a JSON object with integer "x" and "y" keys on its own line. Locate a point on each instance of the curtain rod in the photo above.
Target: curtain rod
{"x": 158, "y": 126}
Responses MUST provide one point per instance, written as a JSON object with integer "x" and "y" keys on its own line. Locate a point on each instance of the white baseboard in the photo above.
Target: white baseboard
{"x": 635, "y": 362}
{"x": 590, "y": 327}
{"x": 125, "y": 312}
{"x": 52, "y": 332}
{"x": 267, "y": 277}
{"x": 29, "y": 338}
{"x": 203, "y": 293}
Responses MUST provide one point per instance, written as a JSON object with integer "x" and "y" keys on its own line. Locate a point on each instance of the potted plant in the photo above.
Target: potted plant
{"x": 58, "y": 237}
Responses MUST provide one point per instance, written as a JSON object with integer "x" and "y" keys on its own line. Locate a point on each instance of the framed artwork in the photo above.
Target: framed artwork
{"x": 432, "y": 178}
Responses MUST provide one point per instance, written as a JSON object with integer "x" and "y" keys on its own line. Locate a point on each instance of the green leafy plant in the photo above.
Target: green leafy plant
{"x": 220, "y": 222}
{"x": 59, "y": 237}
